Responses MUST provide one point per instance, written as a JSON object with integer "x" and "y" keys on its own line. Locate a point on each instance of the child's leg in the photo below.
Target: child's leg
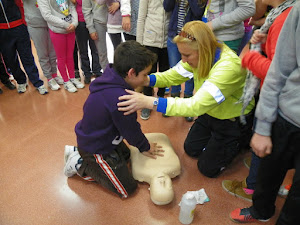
{"x": 59, "y": 42}
{"x": 101, "y": 44}
{"x": 70, "y": 43}
{"x": 40, "y": 35}
{"x": 115, "y": 39}
{"x": 82, "y": 38}
{"x": 9, "y": 52}
{"x": 109, "y": 170}
{"x": 25, "y": 52}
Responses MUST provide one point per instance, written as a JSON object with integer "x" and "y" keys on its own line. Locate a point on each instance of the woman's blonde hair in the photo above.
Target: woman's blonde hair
{"x": 200, "y": 37}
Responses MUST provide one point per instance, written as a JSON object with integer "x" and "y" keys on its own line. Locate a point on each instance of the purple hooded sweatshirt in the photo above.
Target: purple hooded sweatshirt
{"x": 103, "y": 127}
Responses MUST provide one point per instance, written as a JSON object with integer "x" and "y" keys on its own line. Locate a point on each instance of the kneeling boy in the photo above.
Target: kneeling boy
{"x": 101, "y": 155}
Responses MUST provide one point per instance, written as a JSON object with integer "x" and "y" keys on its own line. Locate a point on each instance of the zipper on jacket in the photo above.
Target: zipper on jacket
{"x": 4, "y": 14}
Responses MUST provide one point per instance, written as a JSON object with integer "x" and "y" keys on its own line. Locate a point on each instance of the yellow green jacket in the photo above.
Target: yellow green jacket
{"x": 215, "y": 95}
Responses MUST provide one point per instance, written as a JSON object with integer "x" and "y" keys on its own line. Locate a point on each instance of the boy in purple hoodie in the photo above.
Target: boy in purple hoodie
{"x": 101, "y": 154}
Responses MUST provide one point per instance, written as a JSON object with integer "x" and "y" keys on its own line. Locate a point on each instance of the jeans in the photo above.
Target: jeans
{"x": 174, "y": 57}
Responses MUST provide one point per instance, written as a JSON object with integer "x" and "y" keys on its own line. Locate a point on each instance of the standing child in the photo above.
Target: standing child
{"x": 152, "y": 32}
{"x": 114, "y": 21}
{"x": 102, "y": 154}
{"x": 62, "y": 20}
{"x": 39, "y": 33}
{"x": 14, "y": 41}
{"x": 182, "y": 11}
{"x": 84, "y": 41}
{"x": 95, "y": 16}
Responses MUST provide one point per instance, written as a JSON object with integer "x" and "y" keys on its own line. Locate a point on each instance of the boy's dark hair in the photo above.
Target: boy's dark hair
{"x": 131, "y": 54}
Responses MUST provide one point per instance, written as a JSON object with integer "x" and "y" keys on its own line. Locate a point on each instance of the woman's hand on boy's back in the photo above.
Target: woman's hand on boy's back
{"x": 154, "y": 151}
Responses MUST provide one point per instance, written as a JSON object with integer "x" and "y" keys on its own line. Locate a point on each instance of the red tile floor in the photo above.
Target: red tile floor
{"x": 34, "y": 191}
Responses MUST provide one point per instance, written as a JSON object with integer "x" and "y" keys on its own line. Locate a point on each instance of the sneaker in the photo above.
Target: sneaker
{"x": 87, "y": 80}
{"x": 284, "y": 190}
{"x": 77, "y": 75}
{"x": 42, "y": 90}
{"x": 52, "y": 84}
{"x": 11, "y": 77}
{"x": 59, "y": 80}
{"x": 145, "y": 115}
{"x": 238, "y": 189}
{"x": 68, "y": 151}
{"x": 69, "y": 86}
{"x": 77, "y": 83}
{"x": 22, "y": 88}
{"x": 73, "y": 164}
{"x": 244, "y": 216}
{"x": 247, "y": 162}
{"x": 10, "y": 85}
{"x": 1, "y": 91}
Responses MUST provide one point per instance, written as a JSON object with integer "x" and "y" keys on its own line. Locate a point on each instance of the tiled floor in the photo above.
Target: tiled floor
{"x": 34, "y": 190}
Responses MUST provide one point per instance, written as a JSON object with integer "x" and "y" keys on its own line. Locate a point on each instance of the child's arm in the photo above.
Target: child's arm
{"x": 87, "y": 10}
{"x": 114, "y": 6}
{"x": 126, "y": 14}
{"x": 74, "y": 2}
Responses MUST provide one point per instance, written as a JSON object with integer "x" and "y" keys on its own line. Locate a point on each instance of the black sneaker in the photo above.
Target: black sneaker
{"x": 77, "y": 75}
{"x": 10, "y": 85}
{"x": 87, "y": 80}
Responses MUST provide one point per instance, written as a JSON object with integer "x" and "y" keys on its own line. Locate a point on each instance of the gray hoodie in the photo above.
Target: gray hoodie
{"x": 56, "y": 20}
{"x": 33, "y": 15}
{"x": 227, "y": 17}
{"x": 281, "y": 89}
{"x": 94, "y": 13}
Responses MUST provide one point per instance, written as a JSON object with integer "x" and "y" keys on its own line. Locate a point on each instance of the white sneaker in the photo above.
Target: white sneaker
{"x": 68, "y": 151}
{"x": 77, "y": 83}
{"x": 69, "y": 86}
{"x": 59, "y": 80}
{"x": 72, "y": 165}
{"x": 22, "y": 88}
{"x": 42, "y": 90}
{"x": 52, "y": 84}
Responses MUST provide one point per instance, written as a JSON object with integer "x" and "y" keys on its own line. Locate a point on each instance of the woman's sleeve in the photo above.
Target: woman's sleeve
{"x": 169, "y": 5}
{"x": 74, "y": 14}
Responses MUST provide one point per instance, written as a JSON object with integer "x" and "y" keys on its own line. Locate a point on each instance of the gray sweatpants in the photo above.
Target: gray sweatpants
{"x": 101, "y": 44}
{"x": 44, "y": 49}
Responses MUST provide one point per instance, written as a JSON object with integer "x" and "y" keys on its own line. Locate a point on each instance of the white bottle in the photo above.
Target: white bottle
{"x": 187, "y": 208}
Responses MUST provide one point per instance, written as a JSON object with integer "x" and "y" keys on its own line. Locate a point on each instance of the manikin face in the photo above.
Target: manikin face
{"x": 188, "y": 54}
{"x": 139, "y": 80}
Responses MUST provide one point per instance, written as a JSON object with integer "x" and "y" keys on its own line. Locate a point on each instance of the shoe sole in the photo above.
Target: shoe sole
{"x": 145, "y": 118}
{"x": 249, "y": 200}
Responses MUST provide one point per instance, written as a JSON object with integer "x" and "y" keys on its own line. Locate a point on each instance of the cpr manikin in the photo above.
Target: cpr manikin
{"x": 157, "y": 172}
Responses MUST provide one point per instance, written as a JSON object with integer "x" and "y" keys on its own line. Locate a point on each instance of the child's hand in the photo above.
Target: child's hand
{"x": 258, "y": 37}
{"x": 155, "y": 150}
{"x": 113, "y": 7}
{"x": 126, "y": 24}
{"x": 71, "y": 28}
{"x": 94, "y": 36}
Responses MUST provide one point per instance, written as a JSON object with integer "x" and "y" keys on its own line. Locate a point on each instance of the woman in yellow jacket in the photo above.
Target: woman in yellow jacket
{"x": 217, "y": 135}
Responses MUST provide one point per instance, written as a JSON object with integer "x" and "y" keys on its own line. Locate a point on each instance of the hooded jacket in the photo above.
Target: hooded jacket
{"x": 11, "y": 14}
{"x": 103, "y": 126}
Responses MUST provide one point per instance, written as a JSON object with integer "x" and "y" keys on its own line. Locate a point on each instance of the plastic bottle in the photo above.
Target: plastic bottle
{"x": 187, "y": 208}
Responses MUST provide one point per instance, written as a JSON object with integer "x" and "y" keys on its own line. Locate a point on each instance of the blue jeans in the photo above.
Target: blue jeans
{"x": 174, "y": 57}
